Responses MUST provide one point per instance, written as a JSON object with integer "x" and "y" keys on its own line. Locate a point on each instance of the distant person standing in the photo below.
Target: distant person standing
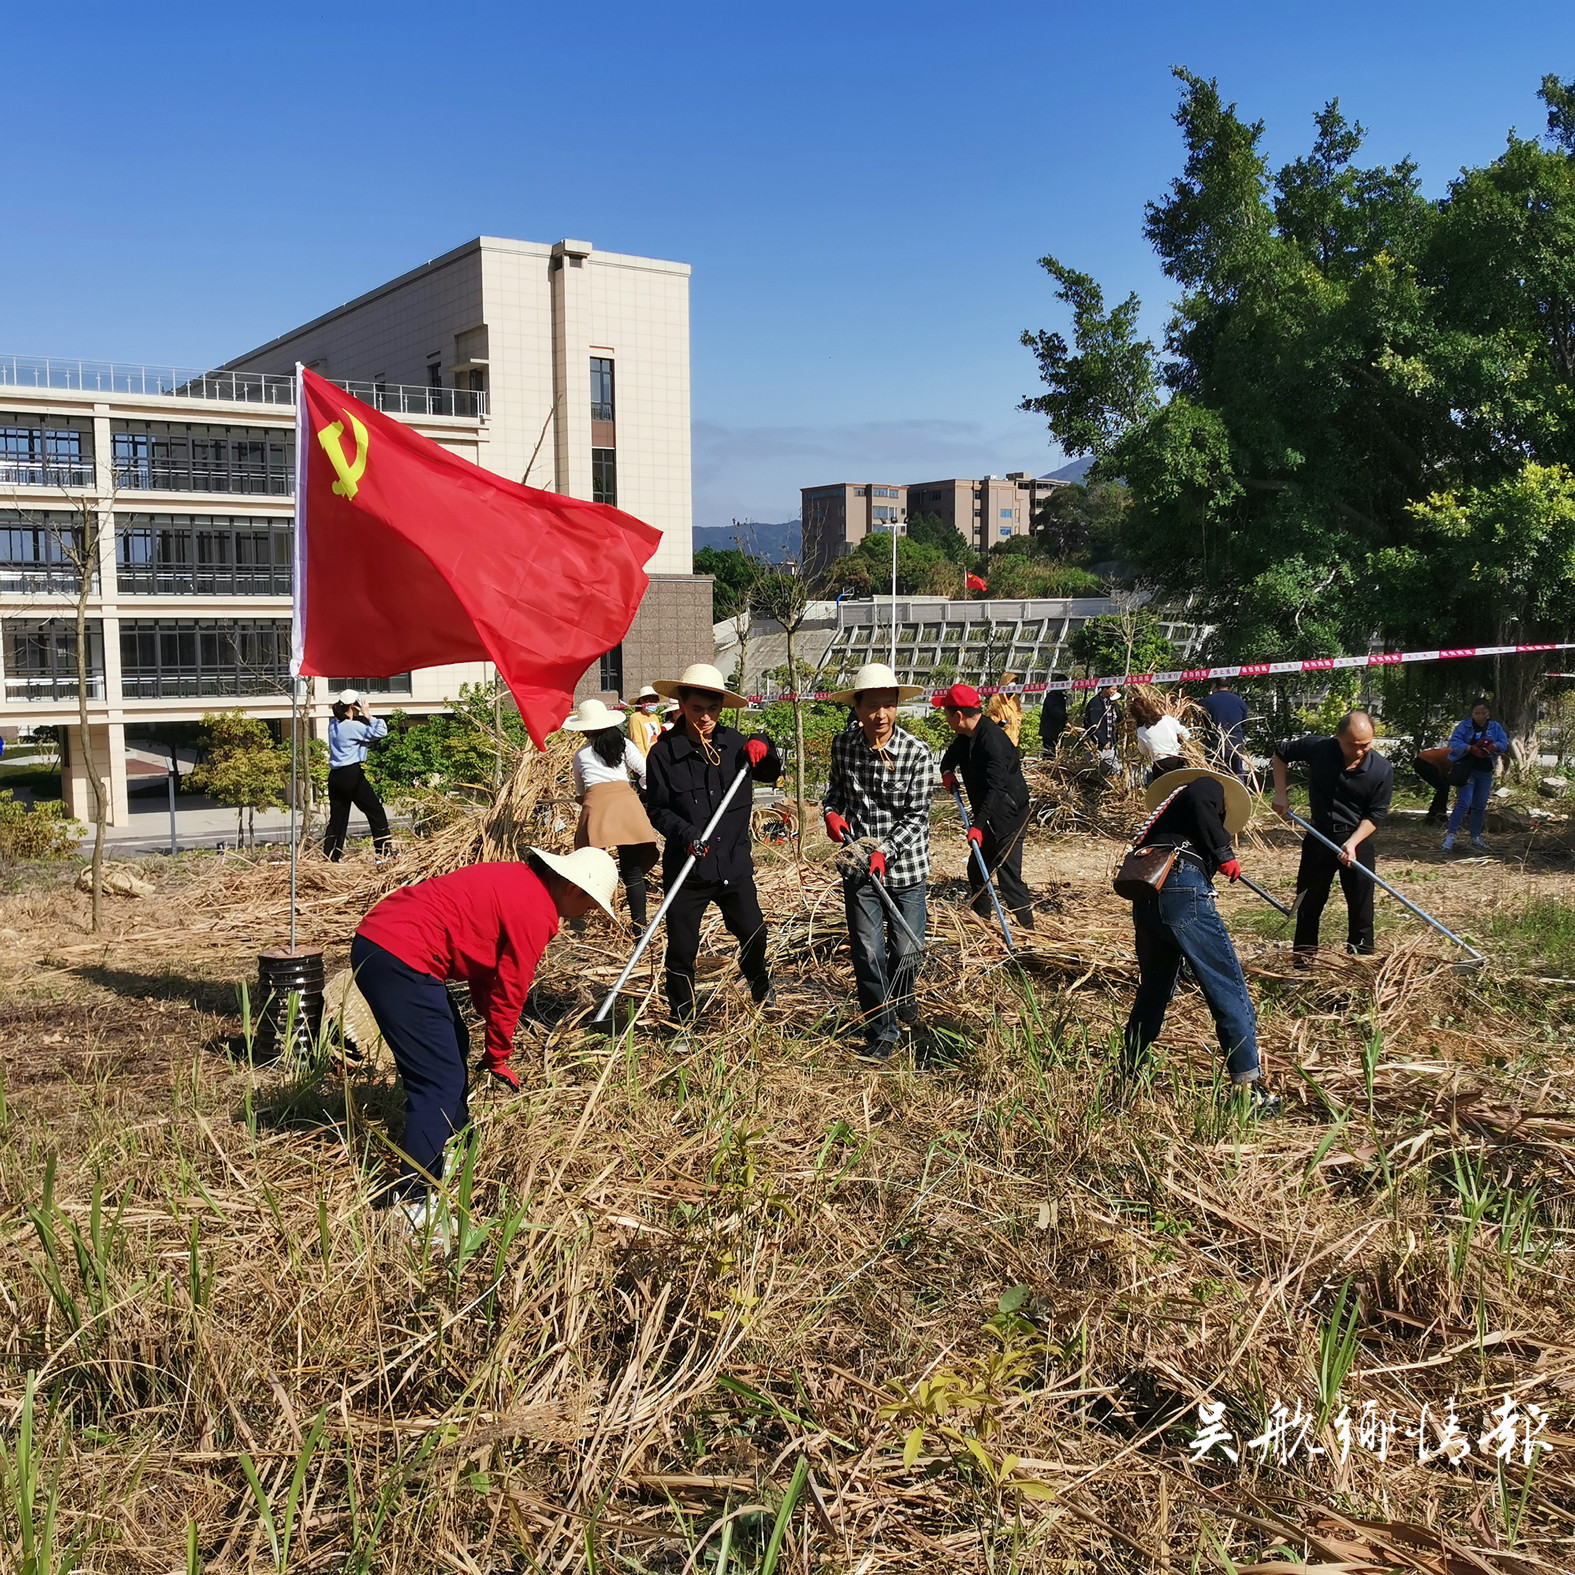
{"x": 1052, "y": 717}
{"x": 352, "y": 729}
{"x": 1228, "y": 712}
{"x": 645, "y": 720}
{"x": 1159, "y": 734}
{"x": 606, "y": 769}
{"x": 1475, "y": 748}
{"x": 1006, "y": 711}
{"x": 1349, "y": 790}
{"x": 1101, "y": 718}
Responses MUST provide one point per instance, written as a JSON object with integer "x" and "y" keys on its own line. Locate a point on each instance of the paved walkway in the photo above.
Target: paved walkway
{"x": 199, "y": 823}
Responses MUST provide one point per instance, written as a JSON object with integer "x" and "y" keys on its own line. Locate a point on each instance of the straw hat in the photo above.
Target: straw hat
{"x": 876, "y": 675}
{"x": 647, "y": 693}
{"x": 592, "y": 870}
{"x": 699, "y": 675}
{"x": 1238, "y": 802}
{"x": 591, "y": 716}
{"x": 343, "y": 999}
{"x": 349, "y": 697}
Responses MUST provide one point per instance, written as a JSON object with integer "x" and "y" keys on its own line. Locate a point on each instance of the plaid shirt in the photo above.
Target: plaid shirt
{"x": 886, "y": 795}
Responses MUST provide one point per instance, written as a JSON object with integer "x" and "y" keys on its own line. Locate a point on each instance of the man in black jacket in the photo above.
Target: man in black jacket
{"x": 687, "y": 773}
{"x": 993, "y": 773}
{"x": 1052, "y": 717}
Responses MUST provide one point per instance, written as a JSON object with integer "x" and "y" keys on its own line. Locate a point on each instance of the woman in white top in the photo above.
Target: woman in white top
{"x": 1159, "y": 735}
{"x": 611, "y": 815}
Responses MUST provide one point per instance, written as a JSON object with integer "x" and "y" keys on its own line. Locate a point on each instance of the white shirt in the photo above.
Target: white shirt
{"x": 1162, "y": 738}
{"x": 590, "y": 769}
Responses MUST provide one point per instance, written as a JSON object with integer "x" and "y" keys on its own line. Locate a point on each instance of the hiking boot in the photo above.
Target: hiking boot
{"x": 877, "y": 1052}
{"x": 766, "y": 997}
{"x": 1448, "y": 844}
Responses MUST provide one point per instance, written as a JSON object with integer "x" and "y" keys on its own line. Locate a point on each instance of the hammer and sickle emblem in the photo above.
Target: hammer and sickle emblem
{"x": 350, "y": 471}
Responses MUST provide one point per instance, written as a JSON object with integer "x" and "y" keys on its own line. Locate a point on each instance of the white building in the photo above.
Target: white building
{"x": 556, "y": 364}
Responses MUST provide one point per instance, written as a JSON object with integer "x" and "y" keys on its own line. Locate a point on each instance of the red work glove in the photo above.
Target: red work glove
{"x": 1231, "y": 869}
{"x": 878, "y": 864}
{"x": 503, "y": 1072}
{"x": 836, "y": 827}
{"x": 757, "y": 750}
{"x": 949, "y": 780}
{"x": 976, "y": 836}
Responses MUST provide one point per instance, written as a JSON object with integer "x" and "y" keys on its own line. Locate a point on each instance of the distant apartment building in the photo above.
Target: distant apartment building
{"x": 836, "y": 519}
{"x": 984, "y": 511}
{"x": 556, "y": 363}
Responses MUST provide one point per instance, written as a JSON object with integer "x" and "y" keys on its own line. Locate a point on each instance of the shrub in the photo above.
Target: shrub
{"x": 43, "y": 832}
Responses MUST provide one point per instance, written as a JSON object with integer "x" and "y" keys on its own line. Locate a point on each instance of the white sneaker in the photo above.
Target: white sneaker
{"x": 1448, "y": 844}
{"x": 424, "y": 1217}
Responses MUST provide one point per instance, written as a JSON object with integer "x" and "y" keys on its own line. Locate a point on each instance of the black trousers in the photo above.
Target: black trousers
{"x": 1439, "y": 782}
{"x": 1003, "y": 853}
{"x": 1049, "y": 736}
{"x": 1315, "y": 875}
{"x": 631, "y": 868}
{"x": 740, "y": 909}
{"x": 347, "y": 786}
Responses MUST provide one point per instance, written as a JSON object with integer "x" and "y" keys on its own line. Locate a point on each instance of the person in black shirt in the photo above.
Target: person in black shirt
{"x": 1101, "y": 718}
{"x": 1194, "y": 811}
{"x": 687, "y": 772}
{"x": 993, "y": 773}
{"x": 1052, "y": 717}
{"x": 1349, "y": 789}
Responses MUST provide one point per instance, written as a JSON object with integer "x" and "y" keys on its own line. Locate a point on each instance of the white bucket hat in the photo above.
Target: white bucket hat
{"x": 349, "y": 697}
{"x": 876, "y": 675}
{"x": 591, "y": 716}
{"x": 699, "y": 675}
{"x": 591, "y": 869}
{"x": 1238, "y": 801}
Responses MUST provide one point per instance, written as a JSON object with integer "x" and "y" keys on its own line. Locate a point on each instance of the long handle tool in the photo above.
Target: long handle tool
{"x": 989, "y": 885}
{"x": 890, "y": 904}
{"x": 602, "y": 1019}
{"x": 1477, "y": 959}
{"x": 1273, "y": 902}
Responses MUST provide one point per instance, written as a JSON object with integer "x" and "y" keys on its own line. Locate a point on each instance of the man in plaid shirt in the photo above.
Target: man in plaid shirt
{"x": 882, "y": 781}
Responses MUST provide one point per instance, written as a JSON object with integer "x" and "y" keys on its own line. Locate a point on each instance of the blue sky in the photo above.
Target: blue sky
{"x": 862, "y": 190}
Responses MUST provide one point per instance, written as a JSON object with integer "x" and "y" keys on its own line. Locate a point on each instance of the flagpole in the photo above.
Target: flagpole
{"x": 295, "y": 791}
{"x": 894, "y": 596}
{"x": 297, "y": 632}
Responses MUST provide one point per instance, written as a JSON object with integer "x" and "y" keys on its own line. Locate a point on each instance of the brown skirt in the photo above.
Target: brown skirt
{"x": 612, "y": 816}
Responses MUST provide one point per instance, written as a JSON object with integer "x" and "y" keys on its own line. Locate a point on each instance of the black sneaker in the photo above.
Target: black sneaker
{"x": 877, "y": 1052}
{"x": 766, "y": 997}
{"x": 1261, "y": 1104}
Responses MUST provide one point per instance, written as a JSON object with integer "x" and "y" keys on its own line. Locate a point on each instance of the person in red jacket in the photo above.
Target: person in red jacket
{"x": 487, "y": 924}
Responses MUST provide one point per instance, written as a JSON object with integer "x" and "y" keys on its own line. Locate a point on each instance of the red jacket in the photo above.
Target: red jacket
{"x": 487, "y": 924}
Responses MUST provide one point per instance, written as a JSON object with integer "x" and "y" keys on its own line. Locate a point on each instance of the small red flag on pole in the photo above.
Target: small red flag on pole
{"x": 976, "y": 584}
{"x": 407, "y": 556}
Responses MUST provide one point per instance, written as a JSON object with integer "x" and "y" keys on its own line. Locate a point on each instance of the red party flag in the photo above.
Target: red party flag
{"x": 408, "y": 556}
{"x": 976, "y": 584}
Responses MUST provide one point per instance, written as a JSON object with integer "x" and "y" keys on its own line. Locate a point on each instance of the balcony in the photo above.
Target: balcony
{"x": 128, "y": 381}
{"x": 46, "y": 473}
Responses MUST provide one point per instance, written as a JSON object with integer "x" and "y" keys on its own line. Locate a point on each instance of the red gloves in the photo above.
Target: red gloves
{"x": 1231, "y": 869}
{"x": 503, "y": 1072}
{"x": 976, "y": 836}
{"x": 836, "y": 827}
{"x": 949, "y": 780}
{"x": 878, "y": 864}
{"x": 757, "y": 749}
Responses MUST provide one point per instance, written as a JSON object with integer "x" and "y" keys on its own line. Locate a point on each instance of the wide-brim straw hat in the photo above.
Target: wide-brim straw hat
{"x": 699, "y": 675}
{"x": 1238, "y": 801}
{"x": 591, "y": 716}
{"x": 592, "y": 870}
{"x": 647, "y": 693}
{"x": 876, "y": 675}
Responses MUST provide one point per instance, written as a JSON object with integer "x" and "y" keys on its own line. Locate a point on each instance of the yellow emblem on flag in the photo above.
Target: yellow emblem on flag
{"x": 350, "y": 471}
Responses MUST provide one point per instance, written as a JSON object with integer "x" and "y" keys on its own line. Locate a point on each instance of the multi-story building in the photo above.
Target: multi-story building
{"x": 984, "y": 511}
{"x": 836, "y": 519}
{"x": 552, "y": 363}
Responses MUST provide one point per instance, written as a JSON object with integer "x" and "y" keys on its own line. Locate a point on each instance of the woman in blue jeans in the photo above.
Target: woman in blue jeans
{"x": 1195, "y": 812}
{"x": 1474, "y": 749}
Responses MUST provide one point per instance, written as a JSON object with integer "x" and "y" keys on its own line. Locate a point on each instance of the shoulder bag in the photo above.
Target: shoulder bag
{"x": 1144, "y": 870}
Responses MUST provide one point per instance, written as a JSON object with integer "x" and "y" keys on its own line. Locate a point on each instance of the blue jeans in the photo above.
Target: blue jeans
{"x": 884, "y": 961}
{"x": 1474, "y": 795}
{"x": 431, "y": 1046}
{"x": 1183, "y": 922}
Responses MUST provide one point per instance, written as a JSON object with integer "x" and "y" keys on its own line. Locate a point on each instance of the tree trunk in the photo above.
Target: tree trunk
{"x": 89, "y": 553}
{"x": 1518, "y": 683}
{"x": 798, "y": 743}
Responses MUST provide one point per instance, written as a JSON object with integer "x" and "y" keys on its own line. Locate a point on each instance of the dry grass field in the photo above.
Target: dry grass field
{"x": 760, "y": 1308}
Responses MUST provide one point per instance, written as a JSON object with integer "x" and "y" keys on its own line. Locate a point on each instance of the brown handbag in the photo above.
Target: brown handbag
{"x": 1143, "y": 872}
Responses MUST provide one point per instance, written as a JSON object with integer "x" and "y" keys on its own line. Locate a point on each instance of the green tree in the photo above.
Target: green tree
{"x": 1082, "y": 524}
{"x": 930, "y": 530}
{"x": 782, "y": 593}
{"x": 1123, "y": 642}
{"x": 734, "y": 573}
{"x": 463, "y": 753}
{"x": 246, "y": 770}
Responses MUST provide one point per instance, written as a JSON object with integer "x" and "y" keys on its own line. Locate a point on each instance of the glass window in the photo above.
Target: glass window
{"x": 604, "y": 475}
{"x": 45, "y": 451}
{"x": 160, "y": 660}
{"x": 39, "y": 551}
{"x": 394, "y": 684}
{"x": 180, "y": 457}
{"x": 858, "y": 492}
{"x": 612, "y": 670}
{"x": 601, "y": 391}
{"x": 1006, "y": 530}
{"x": 1006, "y": 514}
{"x": 203, "y": 554}
{"x": 41, "y": 659}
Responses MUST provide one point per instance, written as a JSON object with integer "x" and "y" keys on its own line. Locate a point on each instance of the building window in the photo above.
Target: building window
{"x": 858, "y": 492}
{"x": 434, "y": 374}
{"x": 41, "y": 659}
{"x": 182, "y": 458}
{"x": 167, "y": 659}
{"x": 203, "y": 554}
{"x": 881, "y": 512}
{"x": 1006, "y": 514}
{"x": 612, "y": 670}
{"x": 604, "y": 475}
{"x": 1006, "y": 530}
{"x": 39, "y": 552}
{"x": 601, "y": 388}
{"x": 33, "y": 454}
{"x": 395, "y": 684}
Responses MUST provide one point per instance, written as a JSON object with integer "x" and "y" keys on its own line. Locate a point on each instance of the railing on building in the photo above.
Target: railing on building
{"x": 43, "y": 689}
{"x": 27, "y": 473}
{"x": 129, "y": 380}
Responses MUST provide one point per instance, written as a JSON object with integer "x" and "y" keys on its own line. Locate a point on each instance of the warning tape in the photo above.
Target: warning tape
{"x": 1186, "y": 675}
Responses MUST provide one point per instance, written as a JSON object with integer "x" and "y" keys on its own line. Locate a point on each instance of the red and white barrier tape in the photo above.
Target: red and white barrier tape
{"x": 1317, "y": 664}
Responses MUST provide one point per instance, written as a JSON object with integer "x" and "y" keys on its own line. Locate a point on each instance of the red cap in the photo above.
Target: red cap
{"x": 959, "y": 695}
